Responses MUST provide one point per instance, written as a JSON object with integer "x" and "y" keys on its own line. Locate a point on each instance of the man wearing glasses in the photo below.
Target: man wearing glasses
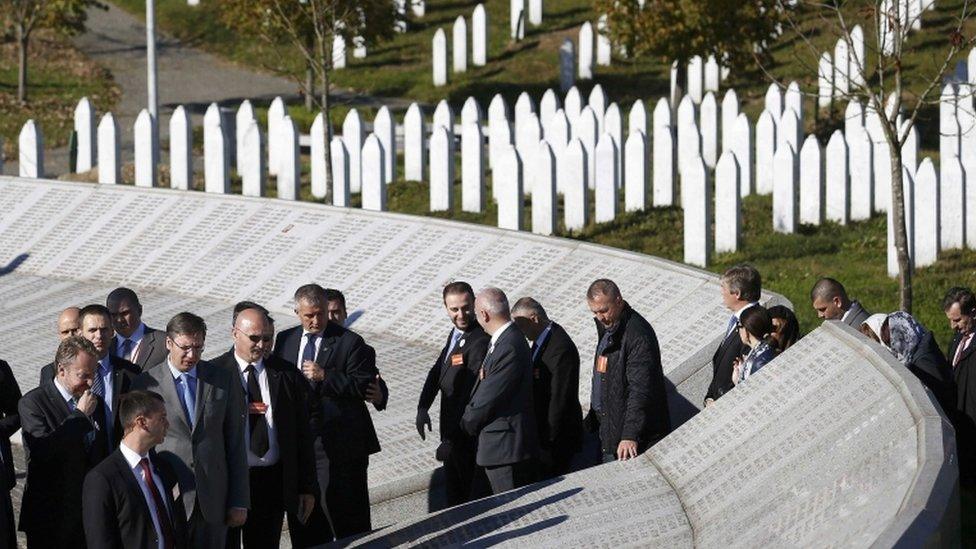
{"x": 205, "y": 444}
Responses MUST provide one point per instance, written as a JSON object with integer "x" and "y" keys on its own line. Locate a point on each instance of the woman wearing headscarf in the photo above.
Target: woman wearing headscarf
{"x": 755, "y": 330}
{"x": 915, "y": 347}
{"x": 872, "y": 327}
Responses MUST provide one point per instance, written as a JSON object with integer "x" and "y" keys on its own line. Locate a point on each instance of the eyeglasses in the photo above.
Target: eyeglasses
{"x": 256, "y": 338}
{"x": 187, "y": 349}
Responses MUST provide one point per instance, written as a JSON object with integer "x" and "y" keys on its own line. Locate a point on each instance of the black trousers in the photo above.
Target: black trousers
{"x": 8, "y": 528}
{"x": 347, "y": 497}
{"x": 509, "y": 477}
{"x": 263, "y": 526}
{"x": 316, "y": 530}
{"x": 463, "y": 479}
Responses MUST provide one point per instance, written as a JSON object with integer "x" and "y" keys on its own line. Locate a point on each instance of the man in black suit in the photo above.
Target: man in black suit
{"x": 377, "y": 393}
{"x": 741, "y": 288}
{"x": 339, "y": 366}
{"x": 9, "y": 424}
{"x": 134, "y": 341}
{"x": 64, "y": 438}
{"x": 453, "y": 376}
{"x": 500, "y": 410}
{"x": 555, "y": 387}
{"x": 829, "y": 299}
{"x": 68, "y": 325}
{"x": 628, "y": 400}
{"x": 128, "y": 498}
{"x": 959, "y": 306}
{"x": 278, "y": 441}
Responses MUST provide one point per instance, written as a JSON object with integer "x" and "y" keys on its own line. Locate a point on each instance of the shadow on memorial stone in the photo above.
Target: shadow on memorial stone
{"x": 14, "y": 263}
{"x": 679, "y": 408}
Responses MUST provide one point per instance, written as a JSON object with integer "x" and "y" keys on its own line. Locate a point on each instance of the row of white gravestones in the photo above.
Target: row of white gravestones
{"x": 459, "y": 45}
{"x": 703, "y": 76}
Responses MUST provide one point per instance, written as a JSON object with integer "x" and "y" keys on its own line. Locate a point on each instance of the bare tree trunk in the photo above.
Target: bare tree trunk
{"x": 22, "y": 42}
{"x": 326, "y": 107}
{"x": 901, "y": 232}
{"x": 309, "y": 87}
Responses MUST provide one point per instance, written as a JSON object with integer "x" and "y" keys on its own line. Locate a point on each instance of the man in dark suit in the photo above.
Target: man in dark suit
{"x": 741, "y": 288}
{"x": 959, "y": 306}
{"x": 63, "y": 438}
{"x": 128, "y": 498}
{"x": 829, "y": 299}
{"x": 278, "y": 441}
{"x": 628, "y": 400}
{"x": 205, "y": 442}
{"x": 134, "y": 341}
{"x": 500, "y": 410}
{"x": 453, "y": 376}
{"x": 555, "y": 387}
{"x": 377, "y": 393}
{"x": 338, "y": 366}
{"x": 68, "y": 325}
{"x": 9, "y": 424}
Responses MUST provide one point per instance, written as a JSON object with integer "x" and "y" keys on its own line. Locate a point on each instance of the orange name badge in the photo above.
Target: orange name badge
{"x": 601, "y": 364}
{"x": 257, "y": 408}
{"x": 457, "y": 360}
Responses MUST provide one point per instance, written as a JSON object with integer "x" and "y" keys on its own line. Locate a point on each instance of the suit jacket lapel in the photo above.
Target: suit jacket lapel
{"x": 444, "y": 365}
{"x": 167, "y": 388}
{"x": 57, "y": 400}
{"x": 325, "y": 349}
{"x": 131, "y": 484}
{"x": 274, "y": 384}
{"x": 205, "y": 390}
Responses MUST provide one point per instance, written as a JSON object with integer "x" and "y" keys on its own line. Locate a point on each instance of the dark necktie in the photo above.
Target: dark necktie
{"x": 165, "y": 525}
{"x": 308, "y": 354}
{"x": 127, "y": 350}
{"x": 255, "y": 416}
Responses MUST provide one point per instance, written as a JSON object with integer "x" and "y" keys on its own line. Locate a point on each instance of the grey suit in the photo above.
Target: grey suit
{"x": 856, "y": 315}
{"x": 210, "y": 460}
{"x": 152, "y": 349}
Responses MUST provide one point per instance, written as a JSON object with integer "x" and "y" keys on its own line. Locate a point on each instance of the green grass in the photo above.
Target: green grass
{"x": 58, "y": 76}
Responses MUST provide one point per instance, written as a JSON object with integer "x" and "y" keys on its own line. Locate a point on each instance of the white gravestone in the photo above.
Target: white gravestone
{"x": 352, "y": 135}
{"x": 952, "y": 187}
{"x": 500, "y": 139}
{"x": 882, "y": 161}
{"x": 418, "y": 7}
{"x": 571, "y": 173}
{"x": 252, "y": 161}
{"x": 414, "y": 144}
{"x": 586, "y": 131}
{"x": 548, "y": 106}
{"x": 861, "y": 164}
{"x": 535, "y": 12}
{"x": 613, "y": 124}
{"x": 689, "y": 138}
{"x": 479, "y": 36}
{"x": 730, "y": 113}
{"x": 603, "y": 48}
{"x": 338, "y": 52}
{"x": 472, "y": 168}
{"x": 317, "y": 152}
{"x": 909, "y": 150}
{"x": 637, "y": 118}
{"x": 709, "y": 129}
{"x": 359, "y": 50}
{"x": 471, "y": 112}
{"x": 856, "y": 62}
{"x": 524, "y": 106}
{"x": 340, "y": 172}
{"x": 567, "y": 65}
{"x": 793, "y": 99}
{"x": 728, "y": 204}
{"x": 573, "y": 105}
{"x": 439, "y": 58}
{"x": 544, "y": 191}
{"x": 497, "y": 116}
{"x": 558, "y": 138}
{"x": 242, "y": 119}
{"x": 509, "y": 194}
{"x": 84, "y": 125}
{"x": 444, "y": 118}
{"x": 180, "y": 149}
{"x": 607, "y": 179}
{"x": 765, "y": 150}
{"x": 838, "y": 186}
{"x": 712, "y": 75}
{"x": 785, "y": 191}
{"x": 216, "y": 171}
{"x": 586, "y": 51}
{"x": 825, "y": 81}
{"x": 276, "y": 113}
{"x": 811, "y": 182}
{"x": 598, "y": 102}
{"x": 774, "y": 102}
{"x": 841, "y": 68}
{"x": 527, "y": 144}
{"x": 30, "y": 146}
{"x": 742, "y": 148}
{"x": 926, "y": 203}
{"x": 697, "y": 214}
{"x": 788, "y": 131}
{"x": 516, "y": 15}
{"x": 109, "y": 151}
{"x": 695, "y": 79}
{"x": 663, "y": 165}
{"x": 374, "y": 178}
{"x": 145, "y": 165}
{"x": 635, "y": 173}
{"x": 384, "y": 128}
{"x": 441, "y": 170}
{"x": 459, "y": 49}
{"x": 290, "y": 170}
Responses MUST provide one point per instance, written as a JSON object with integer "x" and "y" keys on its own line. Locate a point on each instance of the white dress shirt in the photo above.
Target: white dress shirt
{"x": 135, "y": 338}
{"x": 738, "y": 316}
{"x": 70, "y": 400}
{"x": 133, "y": 459}
{"x": 271, "y": 457}
{"x": 301, "y": 346}
{"x": 498, "y": 333}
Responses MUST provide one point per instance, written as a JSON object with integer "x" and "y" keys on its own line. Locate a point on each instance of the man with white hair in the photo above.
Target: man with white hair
{"x": 500, "y": 411}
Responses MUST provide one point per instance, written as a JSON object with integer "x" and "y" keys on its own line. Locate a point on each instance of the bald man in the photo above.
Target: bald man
{"x": 829, "y": 298}
{"x": 69, "y": 324}
{"x": 500, "y": 413}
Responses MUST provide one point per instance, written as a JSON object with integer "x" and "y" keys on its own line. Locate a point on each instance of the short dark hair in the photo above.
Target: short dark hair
{"x": 745, "y": 280}
{"x": 790, "y": 332}
{"x": 138, "y": 403}
{"x": 312, "y": 294}
{"x": 529, "y": 305}
{"x": 70, "y": 348}
{"x": 94, "y": 310}
{"x": 457, "y": 287}
{"x": 602, "y": 286}
{"x": 963, "y": 296}
{"x": 185, "y": 324}
{"x": 245, "y": 305}
{"x": 756, "y": 321}
{"x": 331, "y": 294}
{"x": 123, "y": 294}
{"x": 827, "y": 289}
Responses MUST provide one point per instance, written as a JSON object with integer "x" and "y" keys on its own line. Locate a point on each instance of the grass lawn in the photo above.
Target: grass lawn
{"x": 58, "y": 76}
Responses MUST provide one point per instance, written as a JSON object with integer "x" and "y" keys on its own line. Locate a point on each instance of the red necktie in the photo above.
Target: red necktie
{"x": 164, "y": 523}
{"x": 963, "y": 344}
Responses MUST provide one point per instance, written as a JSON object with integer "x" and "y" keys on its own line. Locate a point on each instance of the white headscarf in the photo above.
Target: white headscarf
{"x": 875, "y": 322}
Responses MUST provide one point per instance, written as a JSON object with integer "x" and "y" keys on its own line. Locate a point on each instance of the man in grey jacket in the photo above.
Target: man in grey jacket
{"x": 830, "y": 300}
{"x": 205, "y": 442}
